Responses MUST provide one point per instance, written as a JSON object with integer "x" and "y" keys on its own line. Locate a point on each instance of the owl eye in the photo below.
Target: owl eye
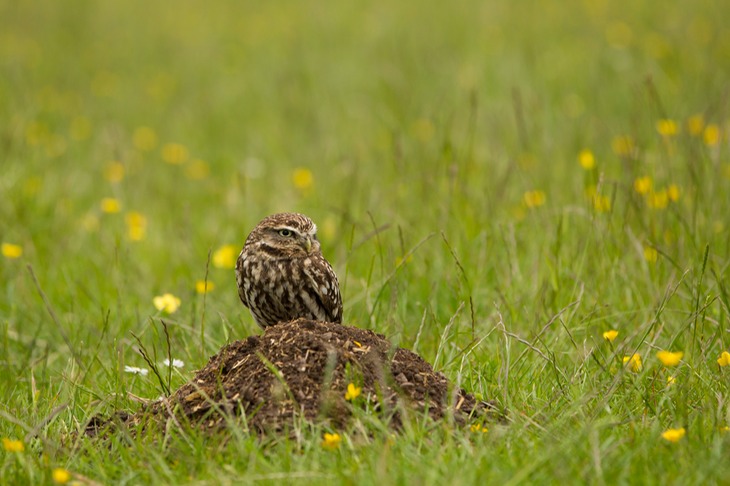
{"x": 285, "y": 232}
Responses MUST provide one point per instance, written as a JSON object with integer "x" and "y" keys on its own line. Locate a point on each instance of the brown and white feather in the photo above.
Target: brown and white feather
{"x": 282, "y": 275}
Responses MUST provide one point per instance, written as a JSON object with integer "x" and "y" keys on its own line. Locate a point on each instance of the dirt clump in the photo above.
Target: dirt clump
{"x": 302, "y": 369}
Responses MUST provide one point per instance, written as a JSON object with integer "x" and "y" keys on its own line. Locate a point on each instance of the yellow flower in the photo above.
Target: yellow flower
{"x": 634, "y": 362}
{"x": 478, "y": 428}
{"x": 673, "y": 435}
{"x": 695, "y": 124}
{"x": 331, "y": 441}
{"x": 144, "y": 139}
{"x": 610, "y": 335}
{"x": 60, "y": 475}
{"x": 401, "y": 260}
{"x": 724, "y": 359}
{"x": 725, "y": 429}
{"x": 197, "y": 170}
{"x": 302, "y": 178}
{"x": 643, "y": 185}
{"x": 673, "y": 192}
{"x": 658, "y": 200}
{"x": 167, "y": 303}
{"x": 534, "y": 199}
{"x": 225, "y": 256}
{"x": 136, "y": 225}
{"x": 110, "y": 205}
{"x": 667, "y": 128}
{"x": 586, "y": 159}
{"x": 12, "y": 251}
{"x": 175, "y": 153}
{"x": 12, "y": 445}
{"x": 669, "y": 358}
{"x": 623, "y": 145}
{"x": 671, "y": 380}
{"x": 601, "y": 203}
{"x": 114, "y": 171}
{"x": 352, "y": 392}
{"x": 650, "y": 254}
{"x": 711, "y": 135}
{"x": 203, "y": 287}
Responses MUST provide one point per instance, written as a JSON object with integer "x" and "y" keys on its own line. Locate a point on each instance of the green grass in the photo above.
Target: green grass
{"x": 423, "y": 126}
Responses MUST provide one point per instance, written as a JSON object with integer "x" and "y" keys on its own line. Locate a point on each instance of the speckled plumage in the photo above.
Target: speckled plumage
{"x": 282, "y": 275}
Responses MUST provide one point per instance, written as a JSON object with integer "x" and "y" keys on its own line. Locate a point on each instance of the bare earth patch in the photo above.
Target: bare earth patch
{"x": 301, "y": 369}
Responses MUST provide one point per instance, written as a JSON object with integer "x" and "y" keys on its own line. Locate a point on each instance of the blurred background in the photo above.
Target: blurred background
{"x": 460, "y": 154}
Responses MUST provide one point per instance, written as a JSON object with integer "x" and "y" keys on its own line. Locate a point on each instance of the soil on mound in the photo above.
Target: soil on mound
{"x": 301, "y": 369}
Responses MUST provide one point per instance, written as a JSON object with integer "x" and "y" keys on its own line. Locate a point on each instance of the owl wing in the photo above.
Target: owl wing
{"x": 326, "y": 289}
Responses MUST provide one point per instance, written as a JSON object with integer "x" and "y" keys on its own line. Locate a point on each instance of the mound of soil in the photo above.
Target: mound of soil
{"x": 301, "y": 369}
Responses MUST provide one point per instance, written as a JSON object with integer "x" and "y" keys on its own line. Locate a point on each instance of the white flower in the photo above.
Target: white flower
{"x": 136, "y": 371}
{"x": 177, "y": 363}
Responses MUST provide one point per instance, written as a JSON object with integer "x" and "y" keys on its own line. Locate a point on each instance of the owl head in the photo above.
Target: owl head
{"x": 285, "y": 235}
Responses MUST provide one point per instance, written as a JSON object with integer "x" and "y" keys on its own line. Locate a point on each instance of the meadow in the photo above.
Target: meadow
{"x": 532, "y": 196}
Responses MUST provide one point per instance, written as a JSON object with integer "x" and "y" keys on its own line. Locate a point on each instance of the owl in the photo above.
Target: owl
{"x": 282, "y": 275}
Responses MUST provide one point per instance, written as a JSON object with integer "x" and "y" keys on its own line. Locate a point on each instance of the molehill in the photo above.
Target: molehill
{"x": 301, "y": 370}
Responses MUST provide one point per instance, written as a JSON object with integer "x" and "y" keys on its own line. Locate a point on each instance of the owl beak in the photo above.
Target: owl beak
{"x": 308, "y": 244}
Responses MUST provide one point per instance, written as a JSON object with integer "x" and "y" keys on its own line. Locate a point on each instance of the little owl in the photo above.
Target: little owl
{"x": 282, "y": 275}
